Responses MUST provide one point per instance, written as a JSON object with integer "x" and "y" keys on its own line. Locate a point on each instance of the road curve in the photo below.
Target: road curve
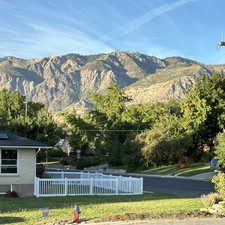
{"x": 182, "y": 187}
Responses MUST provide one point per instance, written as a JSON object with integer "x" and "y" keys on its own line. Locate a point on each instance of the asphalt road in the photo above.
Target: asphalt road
{"x": 172, "y": 185}
{"x": 182, "y": 187}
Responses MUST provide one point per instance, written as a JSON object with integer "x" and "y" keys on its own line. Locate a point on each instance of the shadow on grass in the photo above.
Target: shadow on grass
{"x": 11, "y": 219}
{"x": 27, "y": 204}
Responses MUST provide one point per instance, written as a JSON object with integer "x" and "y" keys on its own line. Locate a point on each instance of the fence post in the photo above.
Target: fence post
{"x": 141, "y": 185}
{"x": 36, "y": 187}
{"x": 91, "y": 186}
{"x": 66, "y": 186}
{"x": 62, "y": 174}
{"x": 117, "y": 186}
{"x": 130, "y": 185}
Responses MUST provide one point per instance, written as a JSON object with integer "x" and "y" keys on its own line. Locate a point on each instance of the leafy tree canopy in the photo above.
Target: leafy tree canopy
{"x": 35, "y": 122}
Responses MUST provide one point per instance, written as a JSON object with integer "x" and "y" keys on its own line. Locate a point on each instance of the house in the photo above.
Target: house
{"x": 18, "y": 163}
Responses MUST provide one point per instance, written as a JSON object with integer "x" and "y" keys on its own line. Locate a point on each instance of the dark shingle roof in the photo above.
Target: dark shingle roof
{"x": 20, "y": 142}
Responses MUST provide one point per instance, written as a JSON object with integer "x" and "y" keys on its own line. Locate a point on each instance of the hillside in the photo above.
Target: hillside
{"x": 65, "y": 81}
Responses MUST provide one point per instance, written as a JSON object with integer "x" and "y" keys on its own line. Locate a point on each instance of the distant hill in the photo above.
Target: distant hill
{"x": 62, "y": 82}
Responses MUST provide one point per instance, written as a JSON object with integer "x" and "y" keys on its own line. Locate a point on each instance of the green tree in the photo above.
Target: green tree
{"x": 220, "y": 148}
{"x": 98, "y": 128}
{"x": 204, "y": 109}
{"x": 38, "y": 124}
{"x": 165, "y": 143}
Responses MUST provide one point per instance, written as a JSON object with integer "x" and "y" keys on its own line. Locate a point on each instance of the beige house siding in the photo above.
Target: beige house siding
{"x": 26, "y": 170}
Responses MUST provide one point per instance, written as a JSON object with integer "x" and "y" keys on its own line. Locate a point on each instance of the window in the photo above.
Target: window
{"x": 8, "y": 162}
{"x": 4, "y": 188}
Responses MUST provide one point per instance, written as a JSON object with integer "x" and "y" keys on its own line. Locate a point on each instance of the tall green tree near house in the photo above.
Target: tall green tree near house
{"x": 204, "y": 107}
{"x": 36, "y": 124}
{"x": 203, "y": 117}
{"x": 96, "y": 128}
{"x": 112, "y": 104}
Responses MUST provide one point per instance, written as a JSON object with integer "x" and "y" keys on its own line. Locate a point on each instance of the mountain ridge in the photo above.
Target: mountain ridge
{"x": 61, "y": 81}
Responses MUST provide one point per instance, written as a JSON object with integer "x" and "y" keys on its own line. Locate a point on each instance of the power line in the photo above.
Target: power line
{"x": 112, "y": 130}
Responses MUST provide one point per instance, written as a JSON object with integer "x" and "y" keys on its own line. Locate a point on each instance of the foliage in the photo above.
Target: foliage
{"x": 40, "y": 169}
{"x": 35, "y": 122}
{"x": 96, "y": 132}
{"x": 118, "y": 133}
{"x": 87, "y": 162}
{"x": 203, "y": 114}
{"x": 52, "y": 154}
{"x": 219, "y": 181}
{"x": 109, "y": 129}
{"x": 151, "y": 134}
{"x": 112, "y": 104}
{"x": 194, "y": 109}
{"x": 203, "y": 108}
{"x": 220, "y": 148}
{"x": 184, "y": 161}
{"x": 211, "y": 199}
{"x": 164, "y": 144}
{"x": 11, "y": 194}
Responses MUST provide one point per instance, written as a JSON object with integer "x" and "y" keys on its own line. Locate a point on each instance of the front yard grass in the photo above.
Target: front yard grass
{"x": 172, "y": 170}
{"x": 28, "y": 210}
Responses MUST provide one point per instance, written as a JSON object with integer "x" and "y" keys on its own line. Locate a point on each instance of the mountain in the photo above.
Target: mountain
{"x": 64, "y": 82}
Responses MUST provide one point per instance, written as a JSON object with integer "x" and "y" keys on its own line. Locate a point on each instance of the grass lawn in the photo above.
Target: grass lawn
{"x": 193, "y": 169}
{"x": 28, "y": 210}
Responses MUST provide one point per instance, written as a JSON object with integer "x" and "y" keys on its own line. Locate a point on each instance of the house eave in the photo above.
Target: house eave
{"x": 27, "y": 147}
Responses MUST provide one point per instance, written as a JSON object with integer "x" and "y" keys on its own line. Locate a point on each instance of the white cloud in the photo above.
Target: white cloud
{"x": 149, "y": 16}
{"x": 47, "y": 40}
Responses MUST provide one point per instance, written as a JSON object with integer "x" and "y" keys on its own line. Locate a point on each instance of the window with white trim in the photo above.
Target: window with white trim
{"x": 4, "y": 188}
{"x": 8, "y": 162}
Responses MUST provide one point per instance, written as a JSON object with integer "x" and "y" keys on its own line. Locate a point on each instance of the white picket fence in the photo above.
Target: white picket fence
{"x": 86, "y": 184}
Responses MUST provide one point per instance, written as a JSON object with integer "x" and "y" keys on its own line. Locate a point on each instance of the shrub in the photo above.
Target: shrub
{"x": 219, "y": 181}
{"x": 184, "y": 162}
{"x": 220, "y": 148}
{"x": 210, "y": 199}
{"x": 40, "y": 169}
{"x": 11, "y": 194}
{"x": 52, "y": 154}
{"x": 87, "y": 161}
{"x": 64, "y": 161}
{"x": 159, "y": 146}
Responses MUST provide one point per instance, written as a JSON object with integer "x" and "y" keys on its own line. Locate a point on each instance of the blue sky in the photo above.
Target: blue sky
{"x": 40, "y": 28}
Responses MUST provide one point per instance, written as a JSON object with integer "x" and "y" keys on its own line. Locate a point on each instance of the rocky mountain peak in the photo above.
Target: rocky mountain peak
{"x": 61, "y": 81}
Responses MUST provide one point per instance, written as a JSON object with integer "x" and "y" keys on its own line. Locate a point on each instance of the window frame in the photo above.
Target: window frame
{"x": 9, "y": 189}
{"x": 16, "y": 165}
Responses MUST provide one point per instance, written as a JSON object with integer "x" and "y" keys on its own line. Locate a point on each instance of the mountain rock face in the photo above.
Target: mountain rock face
{"x": 65, "y": 81}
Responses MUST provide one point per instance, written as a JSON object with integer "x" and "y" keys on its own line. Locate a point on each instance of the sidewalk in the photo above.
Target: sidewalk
{"x": 195, "y": 221}
{"x": 202, "y": 176}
